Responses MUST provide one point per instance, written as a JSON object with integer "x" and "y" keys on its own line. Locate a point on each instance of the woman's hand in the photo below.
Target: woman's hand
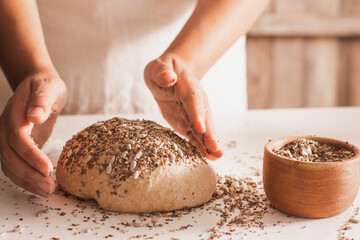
{"x": 25, "y": 125}
{"x": 183, "y": 102}
{"x": 174, "y": 77}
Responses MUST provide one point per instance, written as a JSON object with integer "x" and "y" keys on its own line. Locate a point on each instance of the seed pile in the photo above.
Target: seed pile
{"x": 127, "y": 148}
{"x": 244, "y": 204}
{"x": 239, "y": 202}
{"x": 307, "y": 150}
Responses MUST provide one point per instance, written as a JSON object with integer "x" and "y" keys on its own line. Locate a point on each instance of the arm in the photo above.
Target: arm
{"x": 173, "y": 78}
{"x": 39, "y": 95}
{"x": 213, "y": 27}
{"x": 22, "y": 46}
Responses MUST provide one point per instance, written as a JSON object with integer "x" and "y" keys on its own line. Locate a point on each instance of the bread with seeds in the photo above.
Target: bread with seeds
{"x": 134, "y": 166}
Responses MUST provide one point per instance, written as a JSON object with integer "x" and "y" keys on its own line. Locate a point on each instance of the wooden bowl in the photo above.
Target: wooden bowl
{"x": 310, "y": 189}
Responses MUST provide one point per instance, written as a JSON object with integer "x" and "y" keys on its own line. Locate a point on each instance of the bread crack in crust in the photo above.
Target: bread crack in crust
{"x": 135, "y": 166}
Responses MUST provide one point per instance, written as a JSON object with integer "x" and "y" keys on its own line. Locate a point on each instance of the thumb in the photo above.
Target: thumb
{"x": 163, "y": 74}
{"x": 40, "y": 103}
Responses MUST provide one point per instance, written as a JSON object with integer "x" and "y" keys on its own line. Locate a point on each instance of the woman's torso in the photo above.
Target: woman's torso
{"x": 100, "y": 49}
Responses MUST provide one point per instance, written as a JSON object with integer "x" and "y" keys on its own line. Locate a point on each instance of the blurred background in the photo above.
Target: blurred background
{"x": 305, "y": 53}
{"x": 301, "y": 53}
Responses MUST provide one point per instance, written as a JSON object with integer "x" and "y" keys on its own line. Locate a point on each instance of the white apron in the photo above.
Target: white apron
{"x": 101, "y": 47}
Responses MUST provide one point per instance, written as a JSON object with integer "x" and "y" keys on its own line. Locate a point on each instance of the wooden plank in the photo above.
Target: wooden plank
{"x": 309, "y": 67}
{"x": 321, "y": 59}
{"x": 350, "y": 8}
{"x": 286, "y": 6}
{"x": 321, "y": 72}
{"x": 324, "y": 8}
{"x": 349, "y": 62}
{"x": 286, "y": 77}
{"x": 258, "y": 72}
{"x": 271, "y": 8}
{"x": 354, "y": 74}
{"x": 343, "y": 72}
{"x": 286, "y": 89}
{"x": 305, "y": 25}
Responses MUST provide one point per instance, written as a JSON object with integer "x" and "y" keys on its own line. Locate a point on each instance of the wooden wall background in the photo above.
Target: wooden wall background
{"x": 305, "y": 53}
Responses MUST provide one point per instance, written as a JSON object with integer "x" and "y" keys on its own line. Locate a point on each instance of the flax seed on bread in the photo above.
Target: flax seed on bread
{"x": 135, "y": 166}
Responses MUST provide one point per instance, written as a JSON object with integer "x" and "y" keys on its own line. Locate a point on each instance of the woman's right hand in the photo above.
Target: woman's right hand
{"x": 25, "y": 125}
{"x": 183, "y": 102}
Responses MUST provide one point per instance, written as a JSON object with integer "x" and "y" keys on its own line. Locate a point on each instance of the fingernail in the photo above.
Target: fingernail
{"x": 45, "y": 188}
{"x": 202, "y": 125}
{"x": 42, "y": 193}
{"x": 217, "y": 154}
{"x": 50, "y": 170}
{"x": 169, "y": 77}
{"x": 173, "y": 76}
{"x": 36, "y": 112}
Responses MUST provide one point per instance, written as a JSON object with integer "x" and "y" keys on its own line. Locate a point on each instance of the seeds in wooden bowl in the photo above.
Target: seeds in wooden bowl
{"x": 307, "y": 150}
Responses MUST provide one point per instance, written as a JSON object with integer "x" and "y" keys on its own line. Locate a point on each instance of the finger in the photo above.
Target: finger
{"x": 191, "y": 98}
{"x": 183, "y": 113}
{"x": 182, "y": 126}
{"x": 194, "y": 141}
{"x": 166, "y": 77}
{"x": 209, "y": 139}
{"x": 20, "y": 141}
{"x": 194, "y": 107}
{"x": 159, "y": 92}
{"x": 183, "y": 129}
{"x": 24, "y": 184}
{"x": 162, "y": 72}
{"x": 196, "y": 126}
{"x": 18, "y": 137}
{"x": 25, "y": 176}
{"x": 200, "y": 147}
{"x": 170, "y": 113}
{"x": 42, "y": 96}
{"x": 18, "y": 134}
{"x": 197, "y": 137}
{"x": 215, "y": 155}
{"x": 41, "y": 133}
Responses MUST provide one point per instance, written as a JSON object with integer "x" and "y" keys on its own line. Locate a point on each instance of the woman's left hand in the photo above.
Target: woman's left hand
{"x": 183, "y": 102}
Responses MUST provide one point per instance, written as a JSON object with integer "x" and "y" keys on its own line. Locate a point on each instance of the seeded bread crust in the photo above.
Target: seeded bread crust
{"x": 134, "y": 166}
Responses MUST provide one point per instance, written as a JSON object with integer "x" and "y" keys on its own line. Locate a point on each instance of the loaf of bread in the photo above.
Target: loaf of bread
{"x": 134, "y": 166}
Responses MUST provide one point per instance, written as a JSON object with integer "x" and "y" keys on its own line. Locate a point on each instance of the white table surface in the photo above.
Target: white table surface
{"x": 250, "y": 130}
